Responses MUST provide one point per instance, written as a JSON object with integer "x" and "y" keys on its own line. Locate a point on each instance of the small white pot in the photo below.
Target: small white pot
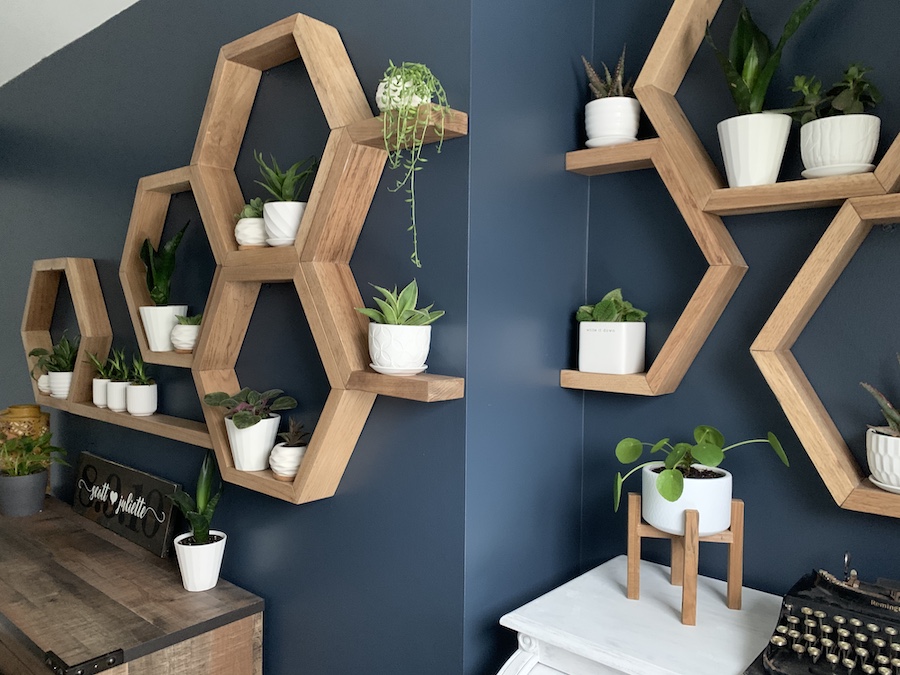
{"x": 710, "y": 496}
{"x": 99, "y": 391}
{"x": 883, "y": 456}
{"x": 611, "y": 120}
{"x": 753, "y": 147}
{"x": 838, "y": 146}
{"x": 60, "y": 383}
{"x": 399, "y": 347}
{"x": 250, "y": 232}
{"x": 141, "y": 399}
{"x": 615, "y": 347}
{"x": 282, "y": 220}
{"x": 116, "y": 399}
{"x": 398, "y": 95}
{"x": 200, "y": 565}
{"x": 158, "y": 323}
{"x": 44, "y": 383}
{"x": 285, "y": 460}
{"x": 250, "y": 447}
{"x": 184, "y": 337}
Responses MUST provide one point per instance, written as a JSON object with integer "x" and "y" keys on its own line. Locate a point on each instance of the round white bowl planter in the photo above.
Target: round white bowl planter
{"x": 99, "y": 391}
{"x": 250, "y": 232}
{"x": 282, "y": 221}
{"x": 200, "y": 563}
{"x": 710, "y": 496}
{"x": 60, "y": 383}
{"x": 250, "y": 447}
{"x": 839, "y": 146}
{"x": 116, "y": 399}
{"x": 753, "y": 147}
{"x": 399, "y": 350}
{"x": 611, "y": 120}
{"x": 613, "y": 347}
{"x": 184, "y": 337}
{"x": 141, "y": 399}
{"x": 883, "y": 456}
{"x": 285, "y": 461}
{"x": 398, "y": 95}
{"x": 43, "y": 383}
{"x": 158, "y": 323}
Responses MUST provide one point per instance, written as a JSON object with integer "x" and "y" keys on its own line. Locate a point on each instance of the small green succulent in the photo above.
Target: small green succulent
{"x": 400, "y": 308}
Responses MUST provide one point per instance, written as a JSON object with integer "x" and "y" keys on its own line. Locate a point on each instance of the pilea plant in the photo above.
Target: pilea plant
{"x": 284, "y": 186}
{"x": 199, "y": 510}
{"x": 249, "y": 407}
{"x": 161, "y": 266}
{"x": 400, "y": 308}
{"x": 611, "y": 84}
{"x": 611, "y": 308}
{"x": 891, "y": 414}
{"x": 252, "y": 209}
{"x": 853, "y": 94}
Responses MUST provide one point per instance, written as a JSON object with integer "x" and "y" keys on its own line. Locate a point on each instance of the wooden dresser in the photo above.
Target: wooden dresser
{"x": 77, "y": 599}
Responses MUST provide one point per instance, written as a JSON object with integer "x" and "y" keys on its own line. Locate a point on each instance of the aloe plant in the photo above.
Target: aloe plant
{"x": 104, "y": 369}
{"x": 194, "y": 320}
{"x": 252, "y": 209}
{"x": 160, "y": 266}
{"x": 60, "y": 358}
{"x": 295, "y": 436}
{"x": 249, "y": 407}
{"x": 611, "y": 84}
{"x": 612, "y": 307}
{"x": 400, "y": 308}
{"x": 117, "y": 365}
{"x": 891, "y": 414}
{"x": 285, "y": 186}
{"x": 139, "y": 374}
{"x": 199, "y": 510}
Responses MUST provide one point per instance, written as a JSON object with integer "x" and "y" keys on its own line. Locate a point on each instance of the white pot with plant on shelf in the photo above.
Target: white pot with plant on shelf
{"x": 614, "y": 114}
{"x": 141, "y": 396}
{"x": 250, "y": 230}
{"x": 612, "y": 336}
{"x": 689, "y": 478}
{"x": 399, "y": 334}
{"x": 58, "y": 363}
{"x": 158, "y": 319}
{"x": 185, "y": 333}
{"x": 286, "y": 456}
{"x": 251, "y": 424}
{"x": 883, "y": 445}
{"x": 282, "y": 216}
{"x": 119, "y": 375}
{"x": 102, "y": 378}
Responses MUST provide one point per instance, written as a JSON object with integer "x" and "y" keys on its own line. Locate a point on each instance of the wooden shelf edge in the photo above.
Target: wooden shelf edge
{"x": 613, "y": 158}
{"x": 259, "y": 481}
{"x": 866, "y": 498}
{"x": 617, "y": 384}
{"x": 370, "y": 132}
{"x": 426, "y": 388}
{"x": 172, "y": 358}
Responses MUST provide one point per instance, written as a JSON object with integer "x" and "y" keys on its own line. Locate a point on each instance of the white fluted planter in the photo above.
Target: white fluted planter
{"x": 115, "y": 396}
{"x": 753, "y": 147}
{"x": 141, "y": 399}
{"x": 200, "y": 563}
{"x": 99, "y": 391}
{"x": 399, "y": 350}
{"x": 60, "y": 383}
{"x": 611, "y": 120}
{"x": 839, "y": 146}
{"x": 158, "y": 323}
{"x": 282, "y": 221}
{"x": 285, "y": 460}
{"x": 710, "y": 496}
{"x": 250, "y": 447}
{"x": 250, "y": 232}
{"x": 613, "y": 347}
{"x": 184, "y": 337}
{"x": 43, "y": 383}
{"x": 883, "y": 456}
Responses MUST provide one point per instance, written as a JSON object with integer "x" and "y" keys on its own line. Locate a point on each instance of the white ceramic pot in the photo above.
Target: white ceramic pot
{"x": 200, "y": 564}
{"x": 753, "y": 147}
{"x": 43, "y": 383}
{"x": 611, "y": 120}
{"x": 710, "y": 496}
{"x": 184, "y": 337}
{"x": 615, "y": 347}
{"x": 158, "y": 323}
{"x": 285, "y": 460}
{"x": 116, "y": 399}
{"x": 399, "y": 347}
{"x": 250, "y": 232}
{"x": 883, "y": 456}
{"x": 250, "y": 447}
{"x": 99, "y": 391}
{"x": 839, "y": 146}
{"x": 141, "y": 399}
{"x": 398, "y": 95}
{"x": 282, "y": 220}
{"x": 60, "y": 383}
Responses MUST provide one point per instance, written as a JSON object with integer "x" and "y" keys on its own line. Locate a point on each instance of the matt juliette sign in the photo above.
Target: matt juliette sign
{"x": 128, "y": 502}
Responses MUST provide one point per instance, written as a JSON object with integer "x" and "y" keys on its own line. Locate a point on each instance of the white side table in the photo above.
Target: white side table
{"x": 588, "y": 627}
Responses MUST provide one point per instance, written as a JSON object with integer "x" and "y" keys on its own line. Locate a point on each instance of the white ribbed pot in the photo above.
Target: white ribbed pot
{"x": 250, "y": 232}
{"x": 611, "y": 120}
{"x": 883, "y": 456}
{"x": 141, "y": 399}
{"x": 282, "y": 219}
{"x": 43, "y": 383}
{"x": 710, "y": 496}
{"x": 115, "y": 396}
{"x": 614, "y": 347}
{"x": 399, "y": 347}
{"x": 99, "y": 391}
{"x": 840, "y": 145}
{"x": 285, "y": 460}
{"x": 753, "y": 147}
{"x": 184, "y": 337}
{"x": 60, "y": 383}
{"x": 250, "y": 447}
{"x": 200, "y": 563}
{"x": 158, "y": 323}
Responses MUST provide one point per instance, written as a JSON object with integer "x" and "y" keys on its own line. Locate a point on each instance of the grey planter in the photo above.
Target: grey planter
{"x": 22, "y": 495}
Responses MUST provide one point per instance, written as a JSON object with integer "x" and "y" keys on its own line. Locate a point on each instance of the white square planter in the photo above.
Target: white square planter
{"x": 615, "y": 348}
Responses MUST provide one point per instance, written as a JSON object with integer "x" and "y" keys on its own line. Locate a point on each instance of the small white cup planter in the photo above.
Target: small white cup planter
{"x": 200, "y": 563}
{"x": 60, "y": 383}
{"x": 184, "y": 337}
{"x": 753, "y": 146}
{"x": 285, "y": 461}
{"x": 711, "y": 497}
{"x": 250, "y": 447}
{"x": 250, "y": 232}
{"x": 116, "y": 399}
{"x": 611, "y": 120}
{"x": 43, "y": 383}
{"x": 158, "y": 323}
{"x": 883, "y": 456}
{"x": 282, "y": 221}
{"x": 612, "y": 347}
{"x": 99, "y": 391}
{"x": 141, "y": 399}
{"x": 399, "y": 350}
{"x": 839, "y": 146}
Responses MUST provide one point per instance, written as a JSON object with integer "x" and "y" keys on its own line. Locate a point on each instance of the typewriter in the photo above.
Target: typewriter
{"x": 829, "y": 625}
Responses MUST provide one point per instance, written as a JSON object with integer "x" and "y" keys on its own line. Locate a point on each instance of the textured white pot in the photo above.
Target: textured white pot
{"x": 883, "y": 456}
{"x": 250, "y": 232}
{"x": 615, "y": 347}
{"x": 847, "y": 143}
{"x": 141, "y": 399}
{"x": 402, "y": 347}
{"x": 398, "y": 95}
{"x": 60, "y": 383}
{"x": 44, "y": 383}
{"x": 184, "y": 337}
{"x": 99, "y": 391}
{"x": 115, "y": 396}
{"x": 200, "y": 565}
{"x": 710, "y": 496}
{"x": 250, "y": 447}
{"x": 753, "y": 147}
{"x": 158, "y": 323}
{"x": 285, "y": 460}
{"x": 612, "y": 120}
{"x": 282, "y": 219}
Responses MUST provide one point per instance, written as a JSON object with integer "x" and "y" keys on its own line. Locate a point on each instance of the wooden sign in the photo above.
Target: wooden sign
{"x": 126, "y": 501}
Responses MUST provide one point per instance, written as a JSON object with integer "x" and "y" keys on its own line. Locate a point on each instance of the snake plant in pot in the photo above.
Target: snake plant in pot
{"x": 159, "y": 318}
{"x": 24, "y": 462}
{"x": 612, "y": 336}
{"x": 613, "y": 115}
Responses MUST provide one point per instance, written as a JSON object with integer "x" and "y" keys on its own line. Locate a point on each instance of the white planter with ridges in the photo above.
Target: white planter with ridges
{"x": 285, "y": 460}
{"x": 141, "y": 399}
{"x": 60, "y": 383}
{"x": 282, "y": 220}
{"x": 883, "y": 456}
{"x": 99, "y": 391}
{"x": 611, "y": 347}
{"x": 43, "y": 383}
{"x": 753, "y": 147}
{"x": 250, "y": 232}
{"x": 840, "y": 145}
{"x": 115, "y": 396}
{"x": 250, "y": 447}
{"x": 611, "y": 120}
{"x": 184, "y": 337}
{"x": 399, "y": 347}
{"x": 711, "y": 497}
{"x": 158, "y": 323}
{"x": 200, "y": 563}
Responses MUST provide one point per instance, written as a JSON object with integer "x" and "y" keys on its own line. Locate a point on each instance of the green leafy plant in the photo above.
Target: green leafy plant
{"x": 751, "y": 61}
{"x": 25, "y": 455}
{"x": 708, "y": 449}
{"x": 104, "y": 369}
{"x": 295, "y": 436}
{"x": 252, "y": 209}
{"x": 400, "y": 308}
{"x": 60, "y": 358}
{"x": 285, "y": 186}
{"x": 405, "y": 97}
{"x": 139, "y": 374}
{"x": 189, "y": 320}
{"x": 611, "y": 84}
{"x": 199, "y": 510}
{"x": 853, "y": 94}
{"x": 117, "y": 365}
{"x": 160, "y": 266}
{"x": 249, "y": 407}
{"x": 891, "y": 414}
{"x": 611, "y": 308}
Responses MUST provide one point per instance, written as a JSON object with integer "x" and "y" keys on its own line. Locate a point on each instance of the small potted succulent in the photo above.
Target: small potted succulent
{"x": 141, "y": 393}
{"x": 104, "y": 370}
{"x": 612, "y": 336}
{"x": 399, "y": 334}
{"x": 59, "y": 363}
{"x": 883, "y": 444}
{"x": 250, "y": 230}
{"x": 24, "y": 461}
{"x": 159, "y": 318}
{"x": 688, "y": 478}
{"x": 287, "y": 455}
{"x": 251, "y": 423}
{"x": 185, "y": 333}
{"x": 200, "y": 551}
{"x": 613, "y": 115}
{"x": 119, "y": 380}
{"x": 283, "y": 215}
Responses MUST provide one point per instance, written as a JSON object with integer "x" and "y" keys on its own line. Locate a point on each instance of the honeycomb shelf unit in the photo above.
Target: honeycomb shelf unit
{"x": 701, "y": 196}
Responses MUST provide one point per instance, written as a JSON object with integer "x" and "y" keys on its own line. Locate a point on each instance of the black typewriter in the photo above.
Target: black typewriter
{"x": 829, "y": 626}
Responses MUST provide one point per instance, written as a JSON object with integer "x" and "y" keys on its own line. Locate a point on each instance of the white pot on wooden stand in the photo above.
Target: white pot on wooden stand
{"x": 200, "y": 563}
{"x": 250, "y": 447}
{"x": 839, "y": 146}
{"x": 613, "y": 347}
{"x": 883, "y": 456}
{"x": 60, "y": 383}
{"x": 116, "y": 399}
{"x": 99, "y": 391}
{"x": 399, "y": 350}
{"x": 611, "y": 120}
{"x": 711, "y": 497}
{"x": 282, "y": 221}
{"x": 753, "y": 147}
{"x": 158, "y": 323}
{"x": 141, "y": 399}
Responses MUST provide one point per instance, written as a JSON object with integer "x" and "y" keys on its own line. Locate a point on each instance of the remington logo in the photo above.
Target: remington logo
{"x": 884, "y": 605}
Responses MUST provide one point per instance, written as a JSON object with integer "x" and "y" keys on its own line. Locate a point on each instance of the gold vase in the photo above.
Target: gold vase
{"x": 23, "y": 420}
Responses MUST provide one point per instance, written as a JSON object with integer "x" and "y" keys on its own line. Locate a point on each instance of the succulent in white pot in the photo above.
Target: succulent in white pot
{"x": 614, "y": 114}
{"x": 185, "y": 333}
{"x": 250, "y": 230}
{"x": 282, "y": 216}
{"x": 883, "y": 444}
{"x": 141, "y": 395}
{"x": 159, "y": 318}
{"x": 119, "y": 375}
{"x": 286, "y": 456}
{"x": 101, "y": 382}
{"x": 59, "y": 364}
{"x": 612, "y": 336}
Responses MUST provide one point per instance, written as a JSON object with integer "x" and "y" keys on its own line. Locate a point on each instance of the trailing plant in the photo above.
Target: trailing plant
{"x": 853, "y": 94}
{"x": 405, "y": 98}
{"x": 25, "y": 455}
{"x": 285, "y": 186}
{"x": 160, "y": 266}
{"x": 189, "y": 320}
{"x": 295, "y": 436}
{"x": 708, "y": 449}
{"x": 252, "y": 209}
{"x": 400, "y": 308}
{"x": 249, "y": 407}
{"x": 611, "y": 308}
{"x": 611, "y": 84}
{"x": 891, "y": 414}
{"x": 199, "y": 510}
{"x": 104, "y": 370}
{"x": 139, "y": 374}
{"x": 60, "y": 358}
{"x": 119, "y": 370}
{"x": 751, "y": 61}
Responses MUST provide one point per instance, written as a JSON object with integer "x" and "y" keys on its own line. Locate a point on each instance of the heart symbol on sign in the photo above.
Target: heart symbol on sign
{"x": 113, "y": 496}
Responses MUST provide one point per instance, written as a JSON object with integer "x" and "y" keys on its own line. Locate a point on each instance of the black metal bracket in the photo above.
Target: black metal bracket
{"x": 97, "y": 665}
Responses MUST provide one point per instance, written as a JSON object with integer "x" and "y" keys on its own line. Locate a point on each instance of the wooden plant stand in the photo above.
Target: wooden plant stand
{"x": 686, "y": 555}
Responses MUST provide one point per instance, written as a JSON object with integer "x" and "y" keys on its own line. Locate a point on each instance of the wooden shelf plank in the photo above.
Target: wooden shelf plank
{"x": 370, "y": 132}
{"x": 265, "y": 256}
{"x": 867, "y": 498}
{"x": 423, "y": 387}
{"x": 613, "y": 158}
{"x": 172, "y": 358}
{"x": 259, "y": 481}
{"x": 619, "y": 384}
